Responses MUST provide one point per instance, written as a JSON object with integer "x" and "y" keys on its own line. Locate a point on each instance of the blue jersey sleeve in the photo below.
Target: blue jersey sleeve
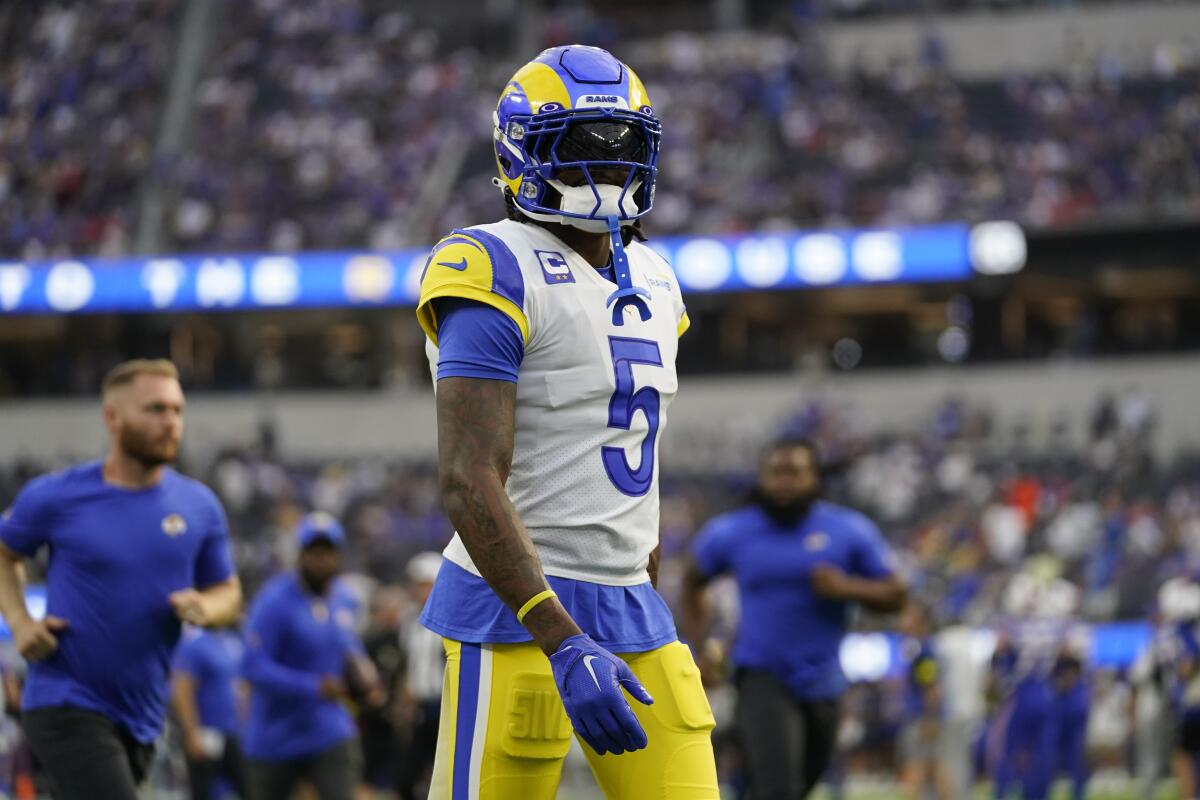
{"x": 264, "y": 633}
{"x": 214, "y": 561}
{"x": 188, "y": 657}
{"x": 25, "y": 526}
{"x": 477, "y": 341}
{"x": 871, "y": 556}
{"x": 711, "y": 548}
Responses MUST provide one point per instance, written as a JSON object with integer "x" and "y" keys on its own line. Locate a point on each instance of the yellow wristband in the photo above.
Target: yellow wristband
{"x": 533, "y": 601}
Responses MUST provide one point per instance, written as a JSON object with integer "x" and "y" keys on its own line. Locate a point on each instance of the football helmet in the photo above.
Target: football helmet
{"x": 576, "y": 139}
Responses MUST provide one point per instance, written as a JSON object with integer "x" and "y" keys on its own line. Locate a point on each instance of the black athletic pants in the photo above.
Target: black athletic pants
{"x": 86, "y": 755}
{"x": 202, "y": 775}
{"x": 787, "y": 743}
{"x": 416, "y": 758}
{"x": 333, "y": 772}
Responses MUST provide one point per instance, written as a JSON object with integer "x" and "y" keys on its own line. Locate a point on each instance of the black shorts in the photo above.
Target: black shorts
{"x": 86, "y": 755}
{"x": 1189, "y": 732}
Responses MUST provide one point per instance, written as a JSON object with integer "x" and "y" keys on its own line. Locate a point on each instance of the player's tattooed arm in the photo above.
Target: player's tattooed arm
{"x": 476, "y": 420}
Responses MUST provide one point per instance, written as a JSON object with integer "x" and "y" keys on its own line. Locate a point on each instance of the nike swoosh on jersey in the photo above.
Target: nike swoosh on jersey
{"x": 458, "y": 265}
{"x": 587, "y": 662}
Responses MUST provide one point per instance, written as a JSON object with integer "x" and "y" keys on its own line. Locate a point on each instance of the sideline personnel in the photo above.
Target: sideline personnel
{"x": 204, "y": 694}
{"x": 134, "y": 549}
{"x": 300, "y": 649}
{"x": 800, "y": 563}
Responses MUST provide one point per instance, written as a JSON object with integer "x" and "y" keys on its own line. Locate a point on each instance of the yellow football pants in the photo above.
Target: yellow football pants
{"x": 504, "y": 732}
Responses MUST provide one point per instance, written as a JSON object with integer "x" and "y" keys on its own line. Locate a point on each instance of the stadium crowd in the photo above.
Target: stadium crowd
{"x": 81, "y": 96}
{"x": 312, "y": 123}
{"x": 319, "y": 121}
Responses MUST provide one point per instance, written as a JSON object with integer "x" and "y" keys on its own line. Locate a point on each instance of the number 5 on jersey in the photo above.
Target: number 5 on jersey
{"x": 621, "y": 408}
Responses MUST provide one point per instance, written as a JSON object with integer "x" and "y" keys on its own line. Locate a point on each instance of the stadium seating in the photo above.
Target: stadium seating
{"x": 312, "y": 125}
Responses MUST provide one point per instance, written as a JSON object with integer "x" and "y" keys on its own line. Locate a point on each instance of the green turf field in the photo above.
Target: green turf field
{"x": 1105, "y": 790}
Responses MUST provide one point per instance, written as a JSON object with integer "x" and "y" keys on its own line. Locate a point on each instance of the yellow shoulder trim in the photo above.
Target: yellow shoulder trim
{"x": 459, "y": 266}
{"x": 428, "y": 322}
{"x": 684, "y": 324}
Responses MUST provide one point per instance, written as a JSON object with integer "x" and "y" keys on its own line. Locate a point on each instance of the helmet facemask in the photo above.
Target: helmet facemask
{"x": 579, "y": 167}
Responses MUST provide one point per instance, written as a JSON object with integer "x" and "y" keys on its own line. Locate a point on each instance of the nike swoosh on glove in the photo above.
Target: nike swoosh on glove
{"x": 589, "y": 679}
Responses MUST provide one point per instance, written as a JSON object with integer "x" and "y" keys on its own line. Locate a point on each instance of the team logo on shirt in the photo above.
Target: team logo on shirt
{"x": 816, "y": 541}
{"x": 174, "y": 525}
{"x": 554, "y": 267}
{"x": 320, "y": 612}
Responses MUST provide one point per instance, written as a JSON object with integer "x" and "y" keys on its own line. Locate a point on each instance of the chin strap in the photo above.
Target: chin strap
{"x": 626, "y": 294}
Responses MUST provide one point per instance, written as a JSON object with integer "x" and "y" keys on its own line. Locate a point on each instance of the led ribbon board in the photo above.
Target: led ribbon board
{"x": 752, "y": 262}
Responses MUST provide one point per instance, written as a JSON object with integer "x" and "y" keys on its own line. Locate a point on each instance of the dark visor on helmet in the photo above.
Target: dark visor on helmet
{"x": 597, "y": 141}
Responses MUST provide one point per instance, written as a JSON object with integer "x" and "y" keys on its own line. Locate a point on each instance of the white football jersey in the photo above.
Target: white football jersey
{"x": 592, "y": 396}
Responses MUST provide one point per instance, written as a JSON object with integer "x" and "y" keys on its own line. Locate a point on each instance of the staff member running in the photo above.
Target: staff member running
{"x": 300, "y": 647}
{"x": 134, "y": 548}
{"x": 799, "y": 563}
{"x": 204, "y": 694}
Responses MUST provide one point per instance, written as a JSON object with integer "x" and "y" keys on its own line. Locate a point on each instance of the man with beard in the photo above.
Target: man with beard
{"x": 303, "y": 661}
{"x": 135, "y": 549}
{"x": 800, "y": 563}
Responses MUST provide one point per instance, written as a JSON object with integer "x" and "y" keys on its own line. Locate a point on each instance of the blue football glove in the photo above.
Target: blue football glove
{"x": 590, "y": 678}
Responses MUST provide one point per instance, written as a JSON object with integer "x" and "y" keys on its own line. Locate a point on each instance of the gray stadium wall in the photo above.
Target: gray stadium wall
{"x": 713, "y": 421}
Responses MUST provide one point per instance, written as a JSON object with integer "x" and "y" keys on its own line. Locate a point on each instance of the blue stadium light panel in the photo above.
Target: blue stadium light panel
{"x": 752, "y": 262}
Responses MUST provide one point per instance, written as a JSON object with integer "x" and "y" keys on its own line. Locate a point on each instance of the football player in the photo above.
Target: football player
{"x": 552, "y": 336}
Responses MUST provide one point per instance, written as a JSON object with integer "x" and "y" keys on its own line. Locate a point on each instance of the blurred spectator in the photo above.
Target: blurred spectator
{"x": 320, "y": 121}
{"x": 377, "y": 726}
{"x": 81, "y": 97}
{"x": 921, "y": 745}
{"x": 422, "y": 682}
{"x": 205, "y": 690}
{"x": 1072, "y": 705}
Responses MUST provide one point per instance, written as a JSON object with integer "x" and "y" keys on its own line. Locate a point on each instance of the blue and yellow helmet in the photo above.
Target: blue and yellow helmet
{"x": 577, "y": 108}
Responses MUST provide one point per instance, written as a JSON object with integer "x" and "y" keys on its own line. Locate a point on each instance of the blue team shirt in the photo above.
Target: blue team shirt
{"x": 213, "y": 659}
{"x": 293, "y": 637}
{"x": 785, "y": 629}
{"x": 115, "y": 556}
{"x": 478, "y": 341}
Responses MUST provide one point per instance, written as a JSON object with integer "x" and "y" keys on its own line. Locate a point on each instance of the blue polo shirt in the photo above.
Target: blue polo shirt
{"x": 115, "y": 556}
{"x": 785, "y": 629}
{"x": 213, "y": 659}
{"x": 293, "y": 637}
